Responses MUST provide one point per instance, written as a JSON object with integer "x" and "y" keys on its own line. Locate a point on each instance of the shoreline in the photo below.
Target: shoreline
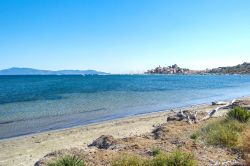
{"x": 26, "y": 150}
{"x": 113, "y": 119}
{"x": 128, "y": 117}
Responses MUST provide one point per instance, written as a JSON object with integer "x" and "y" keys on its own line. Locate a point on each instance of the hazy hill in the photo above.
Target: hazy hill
{"x": 30, "y": 71}
{"x": 238, "y": 69}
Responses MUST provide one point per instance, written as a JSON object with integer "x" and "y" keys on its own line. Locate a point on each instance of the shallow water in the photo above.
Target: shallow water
{"x": 30, "y": 104}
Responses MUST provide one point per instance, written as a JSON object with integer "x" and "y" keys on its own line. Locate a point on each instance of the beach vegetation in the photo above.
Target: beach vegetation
{"x": 68, "y": 161}
{"x": 239, "y": 113}
{"x": 226, "y": 132}
{"x": 194, "y": 136}
{"x": 246, "y": 146}
{"x": 176, "y": 158}
{"x": 129, "y": 160}
{"x": 156, "y": 151}
{"x": 223, "y": 132}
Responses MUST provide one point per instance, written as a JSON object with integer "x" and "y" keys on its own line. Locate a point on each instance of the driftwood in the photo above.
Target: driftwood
{"x": 181, "y": 115}
{"x": 211, "y": 113}
{"x": 219, "y": 103}
{"x": 192, "y": 117}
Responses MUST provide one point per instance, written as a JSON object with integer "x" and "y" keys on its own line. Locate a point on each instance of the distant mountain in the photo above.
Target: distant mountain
{"x": 30, "y": 71}
{"x": 238, "y": 69}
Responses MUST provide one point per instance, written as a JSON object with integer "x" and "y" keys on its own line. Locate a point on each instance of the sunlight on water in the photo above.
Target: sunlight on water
{"x": 31, "y": 104}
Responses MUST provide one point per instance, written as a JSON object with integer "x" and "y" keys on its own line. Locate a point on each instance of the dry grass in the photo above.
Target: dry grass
{"x": 225, "y": 132}
{"x": 129, "y": 160}
{"x": 68, "y": 161}
{"x": 246, "y": 146}
{"x": 176, "y": 158}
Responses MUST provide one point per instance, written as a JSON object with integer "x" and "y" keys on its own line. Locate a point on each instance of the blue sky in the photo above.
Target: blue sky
{"x": 123, "y": 36}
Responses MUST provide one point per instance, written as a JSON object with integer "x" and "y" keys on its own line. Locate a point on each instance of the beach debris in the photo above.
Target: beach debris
{"x": 242, "y": 103}
{"x": 160, "y": 132}
{"x": 211, "y": 113}
{"x": 173, "y": 118}
{"x": 104, "y": 142}
{"x": 219, "y": 103}
{"x": 191, "y": 117}
{"x": 184, "y": 115}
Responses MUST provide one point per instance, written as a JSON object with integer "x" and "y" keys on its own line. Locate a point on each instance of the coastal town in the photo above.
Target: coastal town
{"x": 173, "y": 69}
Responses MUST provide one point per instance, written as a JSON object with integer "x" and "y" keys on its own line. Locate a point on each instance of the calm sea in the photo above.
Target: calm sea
{"x": 31, "y": 104}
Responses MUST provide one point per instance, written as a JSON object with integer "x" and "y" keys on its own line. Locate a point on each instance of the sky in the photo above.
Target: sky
{"x": 123, "y": 36}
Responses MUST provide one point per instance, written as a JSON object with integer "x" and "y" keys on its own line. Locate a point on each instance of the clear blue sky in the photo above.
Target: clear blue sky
{"x": 123, "y": 36}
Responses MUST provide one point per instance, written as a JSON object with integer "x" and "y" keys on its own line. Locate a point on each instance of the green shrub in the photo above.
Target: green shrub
{"x": 240, "y": 114}
{"x": 224, "y": 132}
{"x": 176, "y": 158}
{"x": 129, "y": 160}
{"x": 222, "y": 136}
{"x": 179, "y": 158}
{"x": 160, "y": 160}
{"x": 194, "y": 136}
{"x": 233, "y": 125}
{"x": 156, "y": 151}
{"x": 68, "y": 161}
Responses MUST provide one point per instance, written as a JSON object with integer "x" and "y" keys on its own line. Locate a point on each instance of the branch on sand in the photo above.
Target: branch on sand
{"x": 192, "y": 117}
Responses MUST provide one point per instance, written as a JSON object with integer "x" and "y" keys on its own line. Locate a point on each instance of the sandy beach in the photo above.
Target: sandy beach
{"x": 26, "y": 150}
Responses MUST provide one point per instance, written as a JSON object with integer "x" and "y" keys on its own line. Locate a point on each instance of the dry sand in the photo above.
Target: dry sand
{"x": 26, "y": 150}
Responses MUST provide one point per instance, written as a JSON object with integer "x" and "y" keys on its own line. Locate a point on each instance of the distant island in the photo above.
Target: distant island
{"x": 175, "y": 69}
{"x": 30, "y": 71}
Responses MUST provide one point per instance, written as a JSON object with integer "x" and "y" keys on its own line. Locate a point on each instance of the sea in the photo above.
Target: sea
{"x": 34, "y": 104}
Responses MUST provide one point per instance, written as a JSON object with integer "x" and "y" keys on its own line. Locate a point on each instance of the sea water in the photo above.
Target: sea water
{"x": 31, "y": 104}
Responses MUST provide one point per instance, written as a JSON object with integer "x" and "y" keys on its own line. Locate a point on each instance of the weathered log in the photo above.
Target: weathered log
{"x": 192, "y": 117}
{"x": 174, "y": 118}
{"x": 181, "y": 115}
{"x": 219, "y": 103}
{"x": 211, "y": 113}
